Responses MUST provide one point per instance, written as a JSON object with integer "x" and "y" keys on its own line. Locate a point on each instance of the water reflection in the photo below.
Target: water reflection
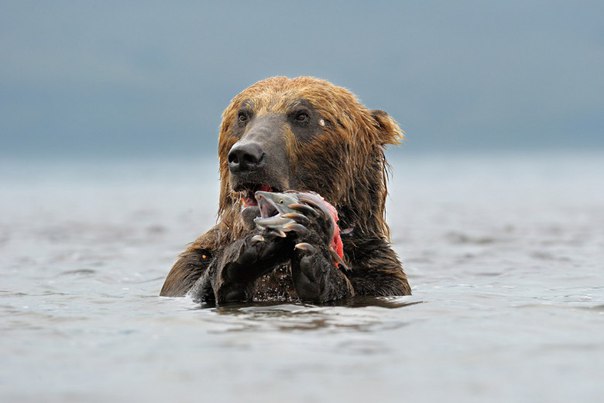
{"x": 360, "y": 314}
{"x": 354, "y": 302}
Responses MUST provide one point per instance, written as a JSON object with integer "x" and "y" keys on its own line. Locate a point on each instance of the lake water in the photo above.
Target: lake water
{"x": 505, "y": 254}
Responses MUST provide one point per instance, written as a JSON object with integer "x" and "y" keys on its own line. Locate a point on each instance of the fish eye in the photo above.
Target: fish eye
{"x": 281, "y": 201}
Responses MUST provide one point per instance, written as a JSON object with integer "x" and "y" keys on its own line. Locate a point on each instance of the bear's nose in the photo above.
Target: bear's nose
{"x": 245, "y": 157}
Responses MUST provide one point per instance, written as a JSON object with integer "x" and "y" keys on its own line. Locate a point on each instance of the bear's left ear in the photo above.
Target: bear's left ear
{"x": 390, "y": 132}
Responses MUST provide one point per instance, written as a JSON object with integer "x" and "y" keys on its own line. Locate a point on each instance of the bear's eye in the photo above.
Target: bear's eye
{"x": 302, "y": 117}
{"x": 242, "y": 117}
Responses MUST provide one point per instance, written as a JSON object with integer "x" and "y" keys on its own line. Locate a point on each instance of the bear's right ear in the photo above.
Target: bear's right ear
{"x": 390, "y": 132}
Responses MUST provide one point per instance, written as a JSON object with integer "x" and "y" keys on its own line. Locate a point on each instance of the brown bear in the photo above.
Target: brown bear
{"x": 304, "y": 134}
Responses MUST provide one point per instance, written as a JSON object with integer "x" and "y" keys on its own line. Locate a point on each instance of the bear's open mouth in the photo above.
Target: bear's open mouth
{"x": 248, "y": 197}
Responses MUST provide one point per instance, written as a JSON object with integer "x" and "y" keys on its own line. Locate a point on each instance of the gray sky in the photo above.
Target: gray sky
{"x": 81, "y": 78}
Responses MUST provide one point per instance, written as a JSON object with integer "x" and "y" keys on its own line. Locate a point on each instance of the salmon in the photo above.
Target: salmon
{"x": 283, "y": 212}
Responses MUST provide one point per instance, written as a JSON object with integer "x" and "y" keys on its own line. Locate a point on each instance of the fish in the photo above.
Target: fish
{"x": 282, "y": 212}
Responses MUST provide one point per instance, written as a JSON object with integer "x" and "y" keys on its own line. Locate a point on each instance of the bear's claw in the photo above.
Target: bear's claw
{"x": 303, "y": 246}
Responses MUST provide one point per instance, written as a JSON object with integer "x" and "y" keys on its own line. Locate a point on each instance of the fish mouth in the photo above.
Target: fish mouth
{"x": 248, "y": 193}
{"x": 267, "y": 206}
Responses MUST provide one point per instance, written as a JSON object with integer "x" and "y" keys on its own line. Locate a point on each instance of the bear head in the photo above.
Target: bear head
{"x": 305, "y": 134}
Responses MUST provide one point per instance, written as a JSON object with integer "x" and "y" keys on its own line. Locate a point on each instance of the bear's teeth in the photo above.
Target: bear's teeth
{"x": 248, "y": 199}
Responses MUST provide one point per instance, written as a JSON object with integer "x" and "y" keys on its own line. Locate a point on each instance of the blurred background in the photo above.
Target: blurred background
{"x": 109, "y": 115}
{"x": 149, "y": 79}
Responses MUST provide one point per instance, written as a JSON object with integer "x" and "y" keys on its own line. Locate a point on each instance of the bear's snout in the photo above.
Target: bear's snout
{"x": 260, "y": 156}
{"x": 246, "y": 157}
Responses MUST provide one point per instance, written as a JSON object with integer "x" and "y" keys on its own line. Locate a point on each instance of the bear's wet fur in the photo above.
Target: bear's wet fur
{"x": 335, "y": 147}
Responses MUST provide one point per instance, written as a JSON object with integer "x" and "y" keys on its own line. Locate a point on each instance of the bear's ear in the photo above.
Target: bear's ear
{"x": 390, "y": 132}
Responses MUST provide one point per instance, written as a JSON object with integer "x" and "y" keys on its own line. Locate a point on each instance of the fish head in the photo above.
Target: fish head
{"x": 273, "y": 203}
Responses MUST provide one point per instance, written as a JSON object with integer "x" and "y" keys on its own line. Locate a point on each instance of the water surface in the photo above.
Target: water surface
{"x": 504, "y": 254}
